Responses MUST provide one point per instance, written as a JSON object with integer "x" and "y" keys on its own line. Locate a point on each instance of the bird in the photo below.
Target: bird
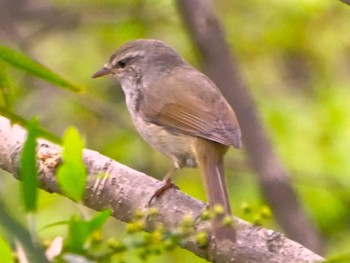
{"x": 180, "y": 112}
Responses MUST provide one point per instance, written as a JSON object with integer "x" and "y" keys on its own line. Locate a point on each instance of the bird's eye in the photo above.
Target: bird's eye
{"x": 121, "y": 63}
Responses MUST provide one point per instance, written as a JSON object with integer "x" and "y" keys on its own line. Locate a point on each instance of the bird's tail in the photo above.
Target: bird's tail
{"x": 210, "y": 160}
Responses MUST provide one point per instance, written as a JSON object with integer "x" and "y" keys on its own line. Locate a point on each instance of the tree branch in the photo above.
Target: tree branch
{"x": 124, "y": 191}
{"x": 345, "y": 1}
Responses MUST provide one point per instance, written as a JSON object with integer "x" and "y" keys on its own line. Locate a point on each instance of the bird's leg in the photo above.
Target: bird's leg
{"x": 167, "y": 184}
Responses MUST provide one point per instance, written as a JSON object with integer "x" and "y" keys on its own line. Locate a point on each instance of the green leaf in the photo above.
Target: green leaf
{"x": 28, "y": 168}
{"x": 71, "y": 175}
{"x": 34, "y": 68}
{"x": 5, "y": 87}
{"x": 98, "y": 220}
{"x": 54, "y": 224}
{"x": 24, "y": 123}
{"x": 80, "y": 230}
{"x": 15, "y": 230}
{"x": 5, "y": 252}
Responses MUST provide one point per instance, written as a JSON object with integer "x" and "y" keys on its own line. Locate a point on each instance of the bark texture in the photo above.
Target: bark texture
{"x": 124, "y": 191}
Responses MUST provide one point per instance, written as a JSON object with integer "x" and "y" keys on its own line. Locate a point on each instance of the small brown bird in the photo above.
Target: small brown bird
{"x": 180, "y": 112}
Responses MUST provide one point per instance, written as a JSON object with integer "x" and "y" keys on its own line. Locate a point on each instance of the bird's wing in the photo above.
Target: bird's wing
{"x": 187, "y": 101}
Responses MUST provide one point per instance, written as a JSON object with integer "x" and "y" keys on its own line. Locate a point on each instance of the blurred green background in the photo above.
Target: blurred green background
{"x": 294, "y": 55}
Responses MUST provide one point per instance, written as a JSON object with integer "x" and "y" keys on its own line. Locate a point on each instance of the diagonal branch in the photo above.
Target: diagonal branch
{"x": 124, "y": 191}
{"x": 345, "y": 1}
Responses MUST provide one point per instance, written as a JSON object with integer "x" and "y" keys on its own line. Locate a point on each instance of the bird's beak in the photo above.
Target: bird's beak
{"x": 102, "y": 72}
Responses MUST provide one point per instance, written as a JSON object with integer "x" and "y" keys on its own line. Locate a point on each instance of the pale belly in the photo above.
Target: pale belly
{"x": 172, "y": 144}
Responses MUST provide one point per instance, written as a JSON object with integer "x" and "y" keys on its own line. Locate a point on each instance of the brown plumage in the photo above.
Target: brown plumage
{"x": 181, "y": 113}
